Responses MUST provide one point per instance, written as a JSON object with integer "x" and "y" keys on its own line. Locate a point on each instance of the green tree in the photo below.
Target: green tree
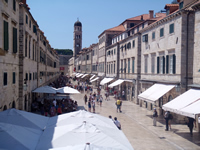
{"x": 64, "y": 51}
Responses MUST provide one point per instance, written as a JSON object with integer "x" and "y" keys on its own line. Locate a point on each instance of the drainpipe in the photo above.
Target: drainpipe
{"x": 187, "y": 47}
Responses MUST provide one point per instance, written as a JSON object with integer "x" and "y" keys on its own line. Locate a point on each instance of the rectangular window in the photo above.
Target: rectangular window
{"x": 33, "y": 52}
{"x": 26, "y": 46}
{"x": 145, "y": 38}
{"x": 111, "y": 68}
{"x": 153, "y": 35}
{"x": 13, "y": 77}
{"x": 6, "y": 38}
{"x": 133, "y": 63}
{"x": 114, "y": 67}
{"x": 14, "y": 5}
{"x": 30, "y": 76}
{"x": 161, "y": 32}
{"x": 29, "y": 23}
{"x": 133, "y": 43}
{"x": 107, "y": 68}
{"x": 125, "y": 66}
{"x": 158, "y": 63}
{"x": 26, "y": 19}
{"x": 14, "y": 40}
{"x": 146, "y": 64}
{"x": 138, "y": 29}
{"x": 162, "y": 64}
{"x": 5, "y": 78}
{"x": 171, "y": 64}
{"x": 26, "y": 76}
{"x": 180, "y": 5}
{"x": 142, "y": 25}
{"x": 6, "y": 1}
{"x": 34, "y": 29}
{"x": 153, "y": 64}
{"x": 129, "y": 65}
{"x": 29, "y": 49}
{"x": 171, "y": 28}
{"x": 122, "y": 66}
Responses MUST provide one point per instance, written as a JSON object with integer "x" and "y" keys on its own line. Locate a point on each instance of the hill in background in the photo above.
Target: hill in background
{"x": 64, "y": 51}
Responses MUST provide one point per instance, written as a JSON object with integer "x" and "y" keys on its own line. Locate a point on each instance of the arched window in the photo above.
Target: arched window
{"x": 5, "y": 107}
{"x": 13, "y": 104}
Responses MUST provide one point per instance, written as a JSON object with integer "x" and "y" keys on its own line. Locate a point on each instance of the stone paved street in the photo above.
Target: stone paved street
{"x": 138, "y": 127}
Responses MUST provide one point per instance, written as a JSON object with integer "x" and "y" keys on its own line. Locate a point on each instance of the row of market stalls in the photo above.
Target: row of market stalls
{"x": 80, "y": 130}
{"x": 186, "y": 104}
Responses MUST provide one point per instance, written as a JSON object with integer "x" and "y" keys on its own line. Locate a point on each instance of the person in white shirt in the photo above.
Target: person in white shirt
{"x": 117, "y": 123}
{"x": 54, "y": 102}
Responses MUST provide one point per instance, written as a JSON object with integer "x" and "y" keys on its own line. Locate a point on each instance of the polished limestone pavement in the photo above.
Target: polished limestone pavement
{"x": 137, "y": 125}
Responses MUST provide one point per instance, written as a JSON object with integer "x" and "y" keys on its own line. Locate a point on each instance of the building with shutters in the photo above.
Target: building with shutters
{"x": 27, "y": 60}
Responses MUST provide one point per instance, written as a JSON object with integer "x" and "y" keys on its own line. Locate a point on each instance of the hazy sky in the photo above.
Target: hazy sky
{"x": 56, "y": 18}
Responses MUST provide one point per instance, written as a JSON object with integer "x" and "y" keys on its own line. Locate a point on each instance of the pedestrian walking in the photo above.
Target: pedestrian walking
{"x": 117, "y": 123}
{"x": 191, "y": 123}
{"x": 101, "y": 100}
{"x": 85, "y": 98}
{"x": 93, "y": 104}
{"x": 155, "y": 115}
{"x": 118, "y": 104}
{"x": 167, "y": 120}
{"x": 170, "y": 120}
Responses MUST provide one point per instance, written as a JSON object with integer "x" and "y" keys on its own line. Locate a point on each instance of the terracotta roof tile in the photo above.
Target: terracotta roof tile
{"x": 172, "y": 5}
{"x": 117, "y": 28}
{"x": 145, "y": 17}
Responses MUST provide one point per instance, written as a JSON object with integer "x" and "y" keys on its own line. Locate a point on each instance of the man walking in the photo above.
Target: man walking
{"x": 167, "y": 120}
{"x": 155, "y": 115}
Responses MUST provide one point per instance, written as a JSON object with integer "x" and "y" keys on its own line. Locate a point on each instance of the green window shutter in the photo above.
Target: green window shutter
{"x": 158, "y": 64}
{"x": 174, "y": 64}
{"x": 171, "y": 28}
{"x": 163, "y": 64}
{"x": 14, "y": 40}
{"x": 5, "y": 78}
{"x": 167, "y": 64}
{"x": 26, "y": 19}
{"x": 14, "y": 5}
{"x": 13, "y": 77}
{"x": 133, "y": 43}
{"x": 161, "y": 32}
{"x": 6, "y": 40}
{"x": 133, "y": 66}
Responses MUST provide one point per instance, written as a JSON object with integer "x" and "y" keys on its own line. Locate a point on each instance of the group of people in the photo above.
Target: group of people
{"x": 92, "y": 99}
{"x": 191, "y": 123}
{"x": 116, "y": 122}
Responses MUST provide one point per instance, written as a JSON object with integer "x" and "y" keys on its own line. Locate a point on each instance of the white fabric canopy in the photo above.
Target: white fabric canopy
{"x": 84, "y": 75}
{"x": 187, "y": 104}
{"x": 45, "y": 89}
{"x": 106, "y": 80}
{"x": 67, "y": 90}
{"x": 79, "y": 75}
{"x": 94, "y": 79}
{"x": 78, "y": 128}
{"x": 68, "y": 131}
{"x": 155, "y": 92}
{"x": 20, "y": 129}
{"x": 118, "y": 82}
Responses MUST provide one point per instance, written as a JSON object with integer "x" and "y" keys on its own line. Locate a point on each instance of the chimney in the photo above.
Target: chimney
{"x": 151, "y": 14}
{"x": 142, "y": 17}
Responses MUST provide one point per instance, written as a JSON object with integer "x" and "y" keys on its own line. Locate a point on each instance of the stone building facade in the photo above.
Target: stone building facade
{"x": 27, "y": 59}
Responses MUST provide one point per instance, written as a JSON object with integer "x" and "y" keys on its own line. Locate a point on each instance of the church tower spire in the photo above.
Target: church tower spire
{"x": 77, "y": 37}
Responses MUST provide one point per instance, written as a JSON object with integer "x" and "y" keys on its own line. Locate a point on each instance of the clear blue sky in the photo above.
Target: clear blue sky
{"x": 57, "y": 17}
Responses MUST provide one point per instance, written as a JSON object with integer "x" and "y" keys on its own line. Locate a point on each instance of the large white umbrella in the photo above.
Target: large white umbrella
{"x": 75, "y": 129}
{"x": 67, "y": 90}
{"x": 45, "y": 89}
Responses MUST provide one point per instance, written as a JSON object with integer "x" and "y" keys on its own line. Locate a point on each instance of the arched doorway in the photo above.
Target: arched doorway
{"x": 5, "y": 107}
{"x": 13, "y": 104}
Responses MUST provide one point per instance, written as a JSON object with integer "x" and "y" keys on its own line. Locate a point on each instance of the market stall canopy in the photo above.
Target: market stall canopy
{"x": 67, "y": 90}
{"x": 84, "y": 75}
{"x": 79, "y": 75}
{"x": 187, "y": 104}
{"x": 45, "y": 89}
{"x": 106, "y": 80}
{"x": 118, "y": 82}
{"x": 94, "y": 79}
{"x": 156, "y": 91}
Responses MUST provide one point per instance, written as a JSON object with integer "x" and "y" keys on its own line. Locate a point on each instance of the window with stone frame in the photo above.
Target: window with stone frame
{"x": 171, "y": 64}
{"x": 161, "y": 32}
{"x": 146, "y": 64}
{"x": 153, "y": 64}
{"x": 122, "y": 66}
{"x": 162, "y": 65}
{"x": 171, "y": 28}
{"x": 128, "y": 65}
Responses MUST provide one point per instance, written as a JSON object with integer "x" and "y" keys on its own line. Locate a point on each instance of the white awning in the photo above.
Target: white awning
{"x": 79, "y": 75}
{"x": 84, "y": 75}
{"x": 155, "y": 92}
{"x": 94, "y": 79}
{"x": 106, "y": 80}
{"x": 187, "y": 104}
{"x": 118, "y": 82}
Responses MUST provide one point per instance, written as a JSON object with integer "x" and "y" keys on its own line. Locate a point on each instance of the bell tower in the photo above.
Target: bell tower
{"x": 77, "y": 38}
